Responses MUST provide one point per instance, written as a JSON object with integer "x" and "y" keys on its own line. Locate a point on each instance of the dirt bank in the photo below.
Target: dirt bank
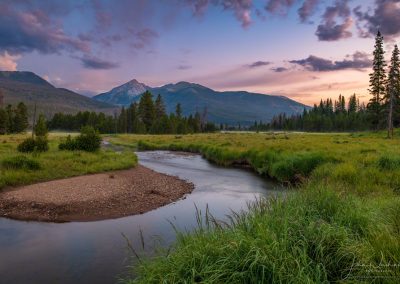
{"x": 93, "y": 197}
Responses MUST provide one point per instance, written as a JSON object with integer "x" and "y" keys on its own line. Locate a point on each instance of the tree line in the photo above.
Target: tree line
{"x": 329, "y": 115}
{"x": 146, "y": 116}
{"x": 381, "y": 112}
{"x": 13, "y": 119}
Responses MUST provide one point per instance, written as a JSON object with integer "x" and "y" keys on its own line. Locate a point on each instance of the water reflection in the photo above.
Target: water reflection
{"x": 95, "y": 252}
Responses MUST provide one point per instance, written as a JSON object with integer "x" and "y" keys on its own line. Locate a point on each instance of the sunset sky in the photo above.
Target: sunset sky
{"x": 303, "y": 49}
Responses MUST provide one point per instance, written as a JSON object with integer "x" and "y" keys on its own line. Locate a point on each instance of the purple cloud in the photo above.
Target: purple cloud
{"x": 25, "y": 31}
{"x": 259, "y": 64}
{"x": 329, "y": 29}
{"x": 307, "y": 9}
{"x": 358, "y": 60}
{"x": 279, "y": 6}
{"x": 385, "y": 17}
{"x": 97, "y": 63}
{"x": 279, "y": 69}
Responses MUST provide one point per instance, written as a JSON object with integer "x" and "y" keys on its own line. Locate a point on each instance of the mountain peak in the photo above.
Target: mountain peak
{"x": 184, "y": 85}
{"x": 24, "y": 77}
{"x": 124, "y": 93}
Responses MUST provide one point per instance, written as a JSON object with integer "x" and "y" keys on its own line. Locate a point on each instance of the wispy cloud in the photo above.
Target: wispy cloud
{"x": 330, "y": 29}
{"x": 358, "y": 60}
{"x": 97, "y": 63}
{"x": 385, "y": 17}
{"x": 8, "y": 62}
{"x": 259, "y": 64}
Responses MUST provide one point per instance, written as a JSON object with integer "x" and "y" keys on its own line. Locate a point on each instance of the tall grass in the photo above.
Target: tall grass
{"x": 341, "y": 225}
{"x": 310, "y": 237}
{"x": 17, "y": 169}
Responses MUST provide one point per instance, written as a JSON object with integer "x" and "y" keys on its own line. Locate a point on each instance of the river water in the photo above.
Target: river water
{"x": 96, "y": 252}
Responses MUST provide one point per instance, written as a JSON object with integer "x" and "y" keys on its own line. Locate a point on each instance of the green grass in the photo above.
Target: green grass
{"x": 341, "y": 220}
{"x": 20, "y": 169}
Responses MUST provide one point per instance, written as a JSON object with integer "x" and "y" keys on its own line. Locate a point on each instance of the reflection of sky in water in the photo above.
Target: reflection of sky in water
{"x": 96, "y": 252}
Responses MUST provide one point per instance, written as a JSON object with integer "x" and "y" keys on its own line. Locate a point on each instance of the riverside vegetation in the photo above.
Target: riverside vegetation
{"x": 340, "y": 222}
{"x": 25, "y": 168}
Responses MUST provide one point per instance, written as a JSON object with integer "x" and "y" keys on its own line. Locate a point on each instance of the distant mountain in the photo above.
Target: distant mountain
{"x": 124, "y": 94}
{"x": 30, "y": 88}
{"x": 222, "y": 107}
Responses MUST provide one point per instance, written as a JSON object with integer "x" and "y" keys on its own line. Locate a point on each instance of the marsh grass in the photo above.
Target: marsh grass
{"x": 340, "y": 225}
{"x": 19, "y": 169}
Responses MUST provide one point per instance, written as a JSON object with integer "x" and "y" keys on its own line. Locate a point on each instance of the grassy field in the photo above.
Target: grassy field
{"x": 19, "y": 169}
{"x": 341, "y": 223}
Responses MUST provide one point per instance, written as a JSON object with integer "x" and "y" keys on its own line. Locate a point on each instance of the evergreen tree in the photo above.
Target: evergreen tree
{"x": 146, "y": 109}
{"x": 159, "y": 107}
{"x": 3, "y": 121}
{"x": 41, "y": 126}
{"x": 10, "y": 119}
{"x": 122, "y": 121}
{"x": 391, "y": 98}
{"x": 178, "y": 111}
{"x": 352, "y": 107}
{"x": 377, "y": 82}
{"x": 20, "y": 118}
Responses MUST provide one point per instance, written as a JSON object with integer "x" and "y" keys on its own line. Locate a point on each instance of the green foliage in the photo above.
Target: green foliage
{"x": 3, "y": 121}
{"x": 69, "y": 144}
{"x": 27, "y": 146}
{"x": 343, "y": 213}
{"x": 325, "y": 117}
{"x": 55, "y": 164}
{"x": 146, "y": 109}
{"x": 89, "y": 140}
{"x": 41, "y": 126}
{"x": 13, "y": 120}
{"x": 20, "y": 163}
{"x": 377, "y": 82}
{"x": 20, "y": 118}
{"x": 389, "y": 163}
{"x": 315, "y": 236}
{"x": 142, "y": 118}
{"x": 41, "y": 144}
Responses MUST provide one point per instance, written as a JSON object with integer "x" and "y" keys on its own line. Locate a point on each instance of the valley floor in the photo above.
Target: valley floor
{"x": 340, "y": 223}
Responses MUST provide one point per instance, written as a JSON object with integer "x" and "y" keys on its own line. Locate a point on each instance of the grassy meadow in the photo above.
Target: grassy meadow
{"x": 19, "y": 168}
{"x": 340, "y": 223}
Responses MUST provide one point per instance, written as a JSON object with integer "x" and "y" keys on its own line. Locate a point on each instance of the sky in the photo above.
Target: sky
{"x": 303, "y": 49}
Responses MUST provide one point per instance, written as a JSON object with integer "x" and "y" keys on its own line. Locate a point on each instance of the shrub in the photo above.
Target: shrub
{"x": 27, "y": 146}
{"x": 389, "y": 163}
{"x": 20, "y": 162}
{"x": 89, "y": 140}
{"x": 40, "y": 144}
{"x": 69, "y": 144}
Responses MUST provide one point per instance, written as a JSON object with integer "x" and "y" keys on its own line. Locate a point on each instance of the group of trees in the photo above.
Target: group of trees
{"x": 146, "y": 116}
{"x": 384, "y": 106}
{"x": 327, "y": 116}
{"x": 382, "y": 111}
{"x": 13, "y": 119}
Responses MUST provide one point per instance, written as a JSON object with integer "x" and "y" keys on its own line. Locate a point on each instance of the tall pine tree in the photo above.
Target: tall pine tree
{"x": 146, "y": 109}
{"x": 377, "y": 82}
{"x": 20, "y": 118}
{"x": 391, "y": 98}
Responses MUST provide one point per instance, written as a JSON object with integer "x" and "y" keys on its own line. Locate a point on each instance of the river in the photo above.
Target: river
{"x": 96, "y": 252}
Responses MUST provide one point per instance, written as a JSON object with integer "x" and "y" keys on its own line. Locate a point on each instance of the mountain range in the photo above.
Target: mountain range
{"x": 231, "y": 107}
{"x": 30, "y": 88}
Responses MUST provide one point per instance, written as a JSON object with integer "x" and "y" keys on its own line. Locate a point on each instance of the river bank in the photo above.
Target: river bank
{"x": 93, "y": 197}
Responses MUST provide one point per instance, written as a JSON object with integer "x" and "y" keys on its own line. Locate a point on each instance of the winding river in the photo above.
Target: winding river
{"x": 96, "y": 252}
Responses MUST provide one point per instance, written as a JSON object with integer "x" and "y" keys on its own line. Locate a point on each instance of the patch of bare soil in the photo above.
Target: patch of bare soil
{"x": 93, "y": 197}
